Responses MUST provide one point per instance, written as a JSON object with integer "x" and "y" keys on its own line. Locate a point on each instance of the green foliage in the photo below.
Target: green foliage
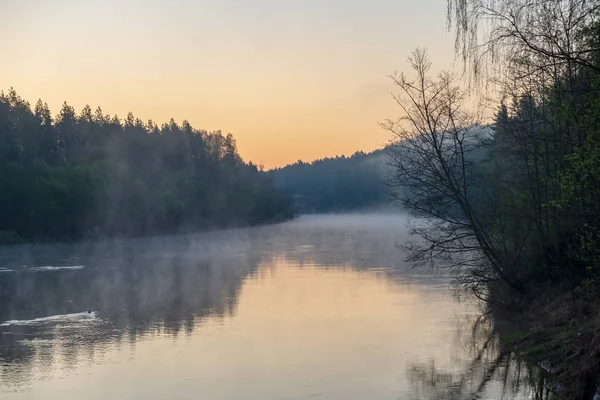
{"x": 512, "y": 337}
{"x": 90, "y": 175}
{"x": 547, "y": 151}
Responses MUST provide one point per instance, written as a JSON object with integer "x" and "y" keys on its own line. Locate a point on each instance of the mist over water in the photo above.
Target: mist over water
{"x": 320, "y": 307}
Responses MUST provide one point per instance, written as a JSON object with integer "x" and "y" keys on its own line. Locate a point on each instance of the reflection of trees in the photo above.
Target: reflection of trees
{"x": 166, "y": 285}
{"x": 137, "y": 287}
{"x": 489, "y": 368}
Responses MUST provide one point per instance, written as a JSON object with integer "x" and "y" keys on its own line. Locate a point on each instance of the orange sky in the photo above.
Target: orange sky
{"x": 295, "y": 79}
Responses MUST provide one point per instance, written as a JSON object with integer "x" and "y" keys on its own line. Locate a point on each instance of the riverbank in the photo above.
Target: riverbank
{"x": 559, "y": 332}
{"x": 8, "y": 238}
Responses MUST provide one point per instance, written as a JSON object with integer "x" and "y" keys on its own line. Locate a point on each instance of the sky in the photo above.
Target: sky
{"x": 290, "y": 79}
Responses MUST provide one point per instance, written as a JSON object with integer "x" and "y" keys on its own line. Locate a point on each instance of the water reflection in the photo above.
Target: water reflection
{"x": 123, "y": 290}
{"x": 485, "y": 369}
{"x": 320, "y": 307}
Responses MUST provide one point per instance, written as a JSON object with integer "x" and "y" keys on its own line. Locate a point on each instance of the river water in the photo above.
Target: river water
{"x": 322, "y": 307}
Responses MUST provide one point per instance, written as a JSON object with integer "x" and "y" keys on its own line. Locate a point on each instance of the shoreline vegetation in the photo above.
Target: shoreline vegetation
{"x": 512, "y": 208}
{"x": 90, "y": 175}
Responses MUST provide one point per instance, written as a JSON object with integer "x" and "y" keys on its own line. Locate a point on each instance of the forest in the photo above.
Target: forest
{"x": 336, "y": 184}
{"x": 513, "y": 209}
{"x": 92, "y": 175}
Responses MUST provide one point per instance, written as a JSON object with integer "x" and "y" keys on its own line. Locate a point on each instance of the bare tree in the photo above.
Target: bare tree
{"x": 434, "y": 158}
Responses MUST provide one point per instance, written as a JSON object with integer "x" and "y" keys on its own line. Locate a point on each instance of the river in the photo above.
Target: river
{"x": 323, "y": 307}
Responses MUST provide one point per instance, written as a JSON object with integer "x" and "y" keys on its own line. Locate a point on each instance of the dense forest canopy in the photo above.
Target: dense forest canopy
{"x": 89, "y": 174}
{"x": 335, "y": 184}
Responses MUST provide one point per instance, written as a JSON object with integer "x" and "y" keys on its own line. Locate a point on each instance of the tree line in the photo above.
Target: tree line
{"x": 89, "y": 174}
{"x": 517, "y": 202}
{"x": 335, "y": 184}
{"x": 513, "y": 208}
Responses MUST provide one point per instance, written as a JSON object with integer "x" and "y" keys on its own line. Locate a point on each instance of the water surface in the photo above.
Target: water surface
{"x": 321, "y": 307}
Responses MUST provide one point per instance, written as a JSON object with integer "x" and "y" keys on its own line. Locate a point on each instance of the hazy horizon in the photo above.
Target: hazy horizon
{"x": 300, "y": 80}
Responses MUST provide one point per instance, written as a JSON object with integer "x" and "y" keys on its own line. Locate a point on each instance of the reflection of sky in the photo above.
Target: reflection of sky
{"x": 295, "y": 333}
{"x": 291, "y": 79}
{"x": 310, "y": 307}
{"x": 322, "y": 306}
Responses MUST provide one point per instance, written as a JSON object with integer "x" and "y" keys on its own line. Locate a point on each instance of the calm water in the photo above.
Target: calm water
{"x": 318, "y": 308}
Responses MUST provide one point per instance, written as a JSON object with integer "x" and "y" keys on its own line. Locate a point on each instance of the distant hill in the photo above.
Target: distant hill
{"x": 335, "y": 184}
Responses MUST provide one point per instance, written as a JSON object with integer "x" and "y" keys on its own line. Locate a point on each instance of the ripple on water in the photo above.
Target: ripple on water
{"x": 75, "y": 317}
